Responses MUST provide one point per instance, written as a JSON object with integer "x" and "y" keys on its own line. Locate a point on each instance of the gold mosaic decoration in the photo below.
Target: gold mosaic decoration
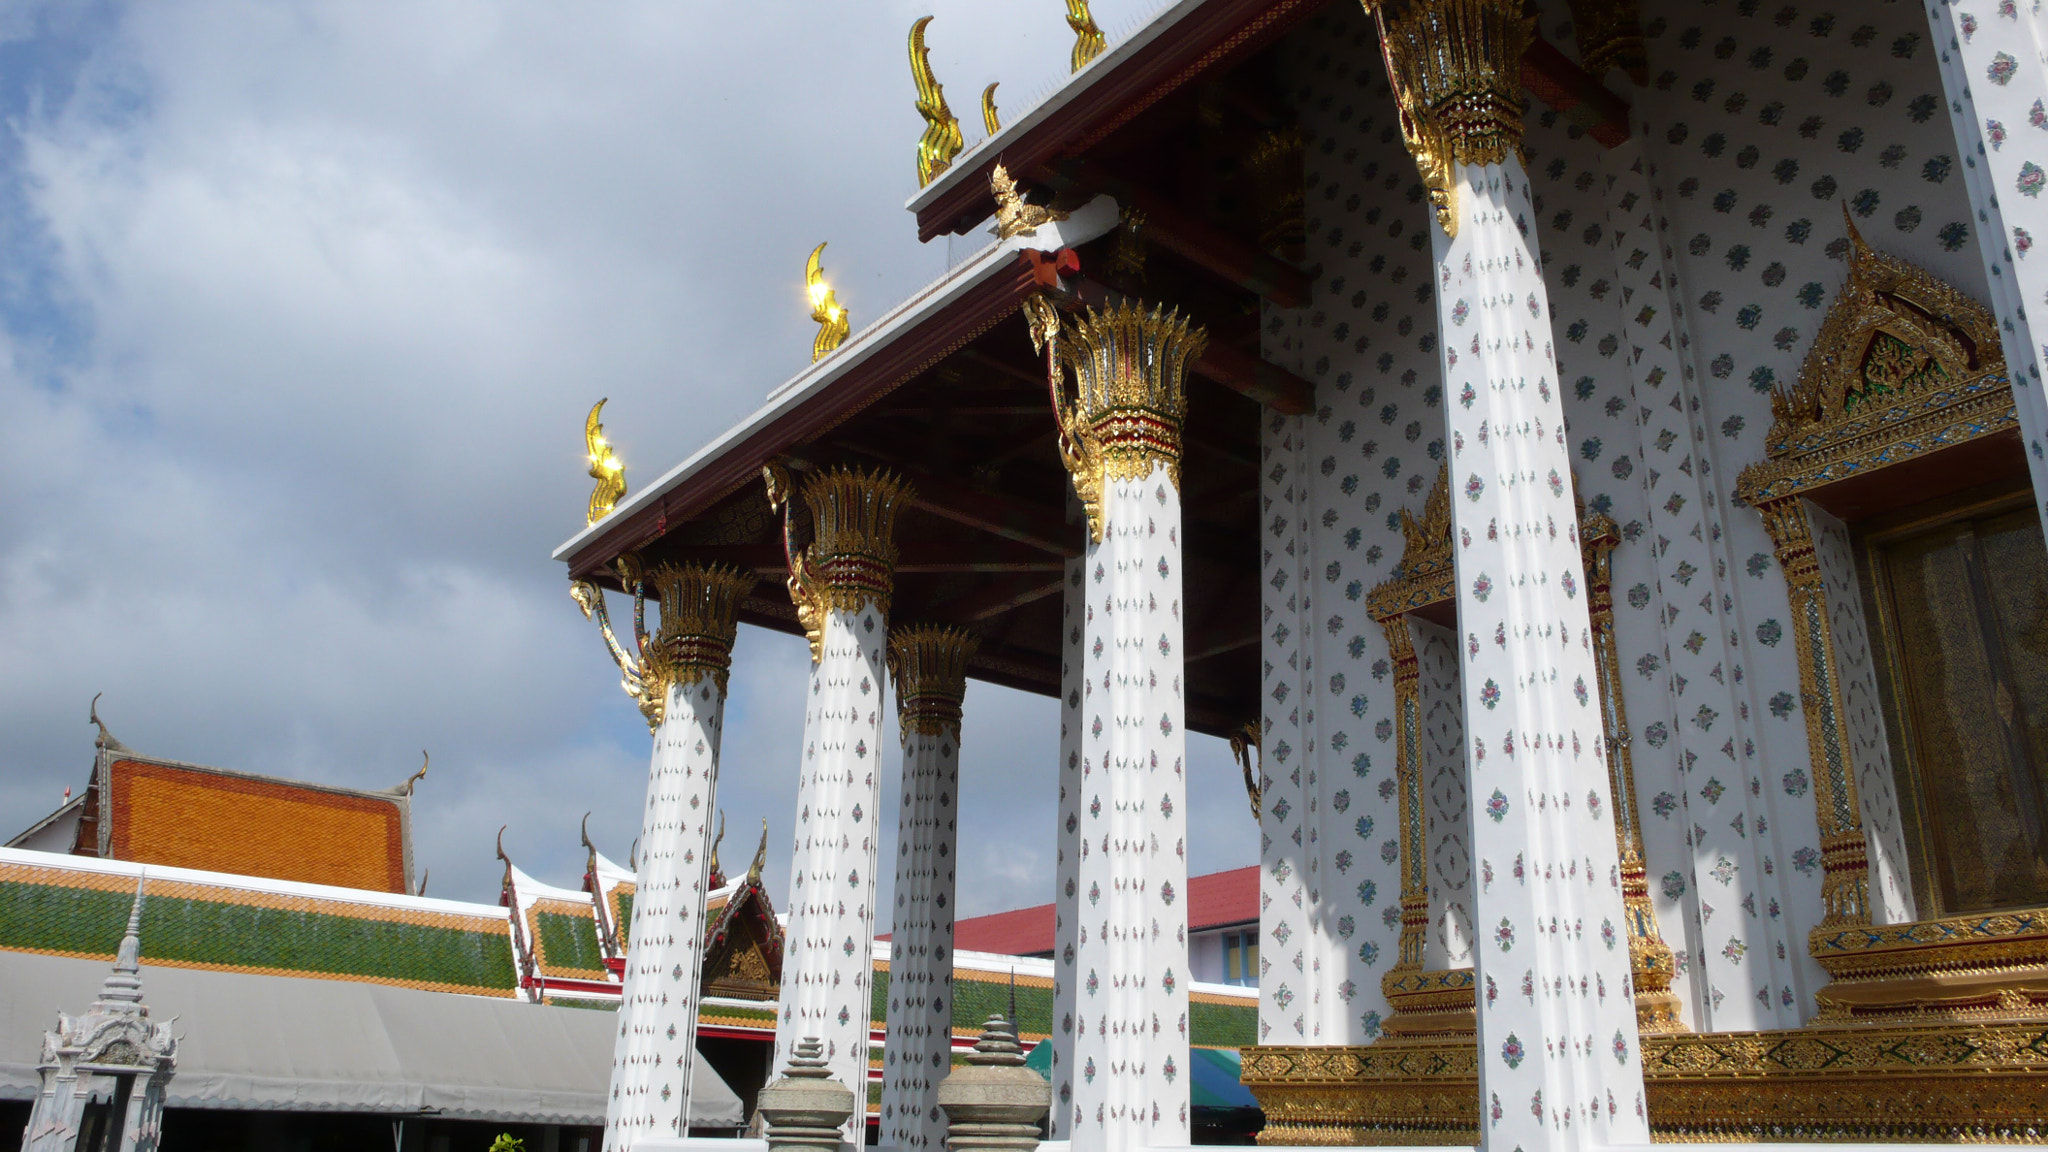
{"x": 1125, "y": 410}
{"x": 941, "y": 140}
{"x": 1014, "y": 215}
{"x": 929, "y": 665}
{"x": 1456, "y": 69}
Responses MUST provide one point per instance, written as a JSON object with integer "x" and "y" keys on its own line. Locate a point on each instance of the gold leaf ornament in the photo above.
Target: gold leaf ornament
{"x": 941, "y": 140}
{"x": 1088, "y": 39}
{"x": 825, "y": 308}
{"x": 605, "y": 467}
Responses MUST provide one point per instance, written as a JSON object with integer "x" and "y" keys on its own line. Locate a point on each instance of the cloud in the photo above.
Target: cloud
{"x": 301, "y": 306}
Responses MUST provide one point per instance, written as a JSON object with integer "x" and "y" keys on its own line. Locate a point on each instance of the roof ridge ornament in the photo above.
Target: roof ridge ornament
{"x": 406, "y": 788}
{"x": 1016, "y": 216}
{"x": 107, "y": 740}
{"x": 941, "y": 140}
{"x": 605, "y": 467}
{"x": 825, "y": 308}
{"x": 1088, "y": 39}
{"x": 989, "y": 119}
{"x": 760, "y": 855}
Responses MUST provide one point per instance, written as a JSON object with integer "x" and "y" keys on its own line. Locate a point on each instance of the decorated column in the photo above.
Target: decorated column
{"x": 929, "y": 665}
{"x": 681, "y": 681}
{"x": 1995, "y": 74}
{"x": 1067, "y": 854}
{"x": 1559, "y": 1065}
{"x": 840, "y": 582}
{"x": 1120, "y": 438}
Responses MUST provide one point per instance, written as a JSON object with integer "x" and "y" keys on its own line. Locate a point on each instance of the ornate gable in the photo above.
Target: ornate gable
{"x": 743, "y": 946}
{"x": 1904, "y": 364}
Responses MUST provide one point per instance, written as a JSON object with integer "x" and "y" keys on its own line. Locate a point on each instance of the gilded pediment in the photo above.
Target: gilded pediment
{"x": 1903, "y": 364}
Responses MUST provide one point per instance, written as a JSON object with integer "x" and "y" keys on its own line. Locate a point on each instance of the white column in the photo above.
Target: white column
{"x": 930, "y": 668}
{"x": 1067, "y": 867}
{"x": 1995, "y": 73}
{"x": 684, "y": 668}
{"x": 841, "y": 584}
{"x": 1121, "y": 442}
{"x": 1559, "y": 1060}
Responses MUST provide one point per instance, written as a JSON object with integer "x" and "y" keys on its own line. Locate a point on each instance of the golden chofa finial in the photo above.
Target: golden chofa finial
{"x": 1088, "y": 41}
{"x": 825, "y": 308}
{"x": 941, "y": 140}
{"x": 1014, "y": 215}
{"x": 989, "y": 119}
{"x": 605, "y": 467}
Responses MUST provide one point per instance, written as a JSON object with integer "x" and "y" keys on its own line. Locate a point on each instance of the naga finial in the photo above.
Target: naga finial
{"x": 760, "y": 854}
{"x": 716, "y": 873}
{"x": 415, "y": 778}
{"x": 605, "y": 467}
{"x": 107, "y": 739}
{"x": 1088, "y": 41}
{"x": 989, "y": 119}
{"x": 1014, "y": 215}
{"x": 1243, "y": 743}
{"x": 941, "y": 140}
{"x": 825, "y": 308}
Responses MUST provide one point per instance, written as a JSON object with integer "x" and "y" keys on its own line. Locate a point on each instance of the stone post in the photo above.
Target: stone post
{"x": 805, "y": 1107}
{"x": 1559, "y": 1062}
{"x": 929, "y": 665}
{"x": 683, "y": 671}
{"x": 841, "y": 582}
{"x": 994, "y": 1104}
{"x": 1120, "y": 439}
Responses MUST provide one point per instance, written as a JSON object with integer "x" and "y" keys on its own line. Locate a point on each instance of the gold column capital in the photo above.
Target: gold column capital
{"x": 1610, "y": 36}
{"x": 851, "y": 558}
{"x": 699, "y": 619}
{"x": 929, "y": 664}
{"x": 1456, "y": 68}
{"x": 1128, "y": 402}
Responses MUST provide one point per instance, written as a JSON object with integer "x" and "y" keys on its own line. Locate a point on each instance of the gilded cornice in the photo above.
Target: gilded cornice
{"x": 929, "y": 665}
{"x": 1456, "y": 69}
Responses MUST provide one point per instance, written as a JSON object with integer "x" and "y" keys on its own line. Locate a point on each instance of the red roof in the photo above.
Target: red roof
{"x": 1214, "y": 901}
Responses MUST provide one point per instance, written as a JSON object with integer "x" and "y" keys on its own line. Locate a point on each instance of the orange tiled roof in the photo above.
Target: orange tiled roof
{"x": 188, "y": 816}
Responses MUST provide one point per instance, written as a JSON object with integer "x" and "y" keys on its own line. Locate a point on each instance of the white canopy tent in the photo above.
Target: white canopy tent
{"x": 277, "y": 1043}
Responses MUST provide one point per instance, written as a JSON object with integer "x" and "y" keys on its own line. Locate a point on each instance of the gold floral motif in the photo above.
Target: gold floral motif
{"x": 941, "y": 140}
{"x": 1015, "y": 216}
{"x": 929, "y": 665}
{"x": 605, "y": 467}
{"x": 1456, "y": 69}
{"x": 1124, "y": 414}
{"x": 1088, "y": 41}
{"x": 1610, "y": 36}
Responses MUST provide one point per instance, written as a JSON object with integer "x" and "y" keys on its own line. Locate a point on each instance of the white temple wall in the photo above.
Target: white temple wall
{"x": 1334, "y": 482}
{"x": 1757, "y": 135}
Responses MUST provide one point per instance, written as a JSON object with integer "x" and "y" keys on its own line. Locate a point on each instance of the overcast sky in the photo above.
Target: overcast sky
{"x": 301, "y": 308}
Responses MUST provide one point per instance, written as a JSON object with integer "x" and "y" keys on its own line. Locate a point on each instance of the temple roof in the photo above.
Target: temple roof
{"x": 1217, "y": 900}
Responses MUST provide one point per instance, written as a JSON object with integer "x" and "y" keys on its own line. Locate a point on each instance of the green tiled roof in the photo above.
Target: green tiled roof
{"x": 568, "y": 943}
{"x": 975, "y": 1000}
{"x": 257, "y": 931}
